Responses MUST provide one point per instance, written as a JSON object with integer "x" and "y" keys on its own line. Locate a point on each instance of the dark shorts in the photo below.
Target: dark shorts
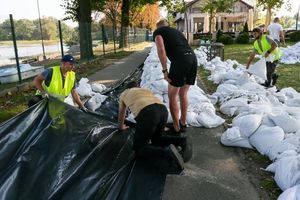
{"x": 183, "y": 70}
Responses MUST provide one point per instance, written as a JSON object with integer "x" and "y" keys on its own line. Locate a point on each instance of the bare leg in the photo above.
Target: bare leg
{"x": 183, "y": 103}
{"x": 174, "y": 108}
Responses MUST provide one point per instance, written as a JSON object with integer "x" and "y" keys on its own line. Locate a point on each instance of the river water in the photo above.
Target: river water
{"x": 7, "y": 53}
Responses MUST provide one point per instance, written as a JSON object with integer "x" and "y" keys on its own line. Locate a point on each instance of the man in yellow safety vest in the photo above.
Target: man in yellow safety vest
{"x": 265, "y": 46}
{"x": 58, "y": 82}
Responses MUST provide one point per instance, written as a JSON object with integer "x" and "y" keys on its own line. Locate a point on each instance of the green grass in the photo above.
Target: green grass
{"x": 25, "y": 42}
{"x": 238, "y": 52}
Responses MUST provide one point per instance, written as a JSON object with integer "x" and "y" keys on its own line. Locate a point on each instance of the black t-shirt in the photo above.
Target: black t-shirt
{"x": 175, "y": 43}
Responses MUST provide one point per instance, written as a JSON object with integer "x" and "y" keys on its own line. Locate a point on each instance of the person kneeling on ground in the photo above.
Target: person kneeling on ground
{"x": 151, "y": 117}
{"x": 58, "y": 82}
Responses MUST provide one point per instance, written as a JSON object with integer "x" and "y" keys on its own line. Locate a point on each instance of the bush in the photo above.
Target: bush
{"x": 295, "y": 36}
{"x": 246, "y": 30}
{"x": 219, "y": 34}
{"x": 242, "y": 38}
{"x": 225, "y": 39}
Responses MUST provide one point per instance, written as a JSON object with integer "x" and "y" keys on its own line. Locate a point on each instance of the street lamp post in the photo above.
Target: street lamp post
{"x": 40, "y": 21}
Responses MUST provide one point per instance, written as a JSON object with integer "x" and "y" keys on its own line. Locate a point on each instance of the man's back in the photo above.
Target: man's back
{"x": 174, "y": 41}
{"x": 274, "y": 31}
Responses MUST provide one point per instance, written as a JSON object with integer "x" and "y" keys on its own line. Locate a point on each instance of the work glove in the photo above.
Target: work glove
{"x": 84, "y": 109}
{"x": 45, "y": 95}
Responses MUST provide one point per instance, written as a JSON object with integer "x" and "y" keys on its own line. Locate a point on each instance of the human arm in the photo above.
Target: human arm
{"x": 162, "y": 55}
{"x": 38, "y": 81}
{"x": 77, "y": 100}
{"x": 273, "y": 47}
{"x": 250, "y": 59}
{"x": 121, "y": 116}
{"x": 281, "y": 35}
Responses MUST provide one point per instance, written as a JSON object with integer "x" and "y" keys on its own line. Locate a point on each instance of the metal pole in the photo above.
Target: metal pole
{"x": 60, "y": 39}
{"x": 15, "y": 46}
{"x": 38, "y": 5}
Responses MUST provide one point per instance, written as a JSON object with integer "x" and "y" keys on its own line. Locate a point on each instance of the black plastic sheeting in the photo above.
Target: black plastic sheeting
{"x": 46, "y": 155}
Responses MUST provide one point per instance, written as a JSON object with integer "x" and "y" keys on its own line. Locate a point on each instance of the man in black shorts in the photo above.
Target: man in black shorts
{"x": 172, "y": 44}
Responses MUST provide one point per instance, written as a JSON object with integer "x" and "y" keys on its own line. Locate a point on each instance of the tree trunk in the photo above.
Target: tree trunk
{"x": 124, "y": 23}
{"x": 268, "y": 18}
{"x": 85, "y": 19}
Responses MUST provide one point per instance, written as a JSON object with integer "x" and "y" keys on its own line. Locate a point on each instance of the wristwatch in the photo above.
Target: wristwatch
{"x": 164, "y": 70}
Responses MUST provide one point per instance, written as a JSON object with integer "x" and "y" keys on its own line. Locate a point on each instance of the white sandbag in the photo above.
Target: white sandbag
{"x": 287, "y": 173}
{"x": 247, "y": 124}
{"x": 285, "y": 121}
{"x": 292, "y": 193}
{"x": 232, "y": 106}
{"x": 232, "y": 137}
{"x": 266, "y": 137}
{"x": 191, "y": 119}
{"x": 84, "y": 89}
{"x": 96, "y": 101}
{"x": 209, "y": 119}
{"x": 283, "y": 149}
{"x": 98, "y": 87}
{"x": 69, "y": 100}
{"x": 259, "y": 69}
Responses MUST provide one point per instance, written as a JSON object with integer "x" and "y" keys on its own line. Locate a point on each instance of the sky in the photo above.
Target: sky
{"x": 28, "y": 9}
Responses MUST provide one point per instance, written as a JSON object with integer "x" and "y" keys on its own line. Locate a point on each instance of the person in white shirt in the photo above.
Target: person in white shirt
{"x": 276, "y": 32}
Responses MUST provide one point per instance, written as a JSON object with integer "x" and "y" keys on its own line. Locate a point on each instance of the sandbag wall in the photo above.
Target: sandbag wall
{"x": 265, "y": 119}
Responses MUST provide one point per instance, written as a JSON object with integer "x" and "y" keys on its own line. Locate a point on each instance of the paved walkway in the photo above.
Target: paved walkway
{"x": 214, "y": 172}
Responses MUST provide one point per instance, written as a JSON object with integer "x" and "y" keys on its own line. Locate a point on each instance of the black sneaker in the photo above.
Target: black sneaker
{"x": 182, "y": 127}
{"x": 175, "y": 156}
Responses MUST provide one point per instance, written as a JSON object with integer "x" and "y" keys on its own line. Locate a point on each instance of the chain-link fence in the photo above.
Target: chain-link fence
{"x": 31, "y": 45}
{"x": 108, "y": 39}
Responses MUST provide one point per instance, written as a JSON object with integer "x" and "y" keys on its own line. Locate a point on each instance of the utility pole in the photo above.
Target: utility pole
{"x": 38, "y": 5}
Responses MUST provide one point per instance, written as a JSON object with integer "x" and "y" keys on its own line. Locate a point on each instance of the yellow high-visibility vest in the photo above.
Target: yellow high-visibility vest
{"x": 265, "y": 47}
{"x": 56, "y": 87}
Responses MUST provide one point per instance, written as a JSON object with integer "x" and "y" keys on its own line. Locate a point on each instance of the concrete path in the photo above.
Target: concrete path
{"x": 215, "y": 172}
{"x": 120, "y": 69}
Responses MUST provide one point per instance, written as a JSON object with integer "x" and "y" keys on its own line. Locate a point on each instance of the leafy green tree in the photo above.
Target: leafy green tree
{"x": 24, "y": 29}
{"x": 245, "y": 29}
{"x": 269, "y": 5}
{"x": 81, "y": 10}
{"x": 5, "y": 30}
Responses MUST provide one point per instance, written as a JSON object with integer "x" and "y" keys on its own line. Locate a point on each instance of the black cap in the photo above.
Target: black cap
{"x": 68, "y": 58}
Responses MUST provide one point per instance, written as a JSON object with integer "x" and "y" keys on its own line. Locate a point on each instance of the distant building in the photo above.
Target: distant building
{"x": 198, "y": 22}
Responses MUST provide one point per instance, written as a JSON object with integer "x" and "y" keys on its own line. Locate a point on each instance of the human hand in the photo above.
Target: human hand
{"x": 166, "y": 77}
{"x": 45, "y": 95}
{"x": 123, "y": 127}
{"x": 84, "y": 109}
{"x": 267, "y": 54}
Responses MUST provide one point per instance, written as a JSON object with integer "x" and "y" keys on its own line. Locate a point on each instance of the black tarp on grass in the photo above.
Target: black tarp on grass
{"x": 48, "y": 155}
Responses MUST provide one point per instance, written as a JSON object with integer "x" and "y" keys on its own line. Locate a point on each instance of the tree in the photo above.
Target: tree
{"x": 148, "y": 17}
{"x": 269, "y": 5}
{"x": 81, "y": 10}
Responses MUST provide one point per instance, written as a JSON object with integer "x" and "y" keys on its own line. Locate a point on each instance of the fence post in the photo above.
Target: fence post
{"x": 15, "y": 46}
{"x": 60, "y": 39}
